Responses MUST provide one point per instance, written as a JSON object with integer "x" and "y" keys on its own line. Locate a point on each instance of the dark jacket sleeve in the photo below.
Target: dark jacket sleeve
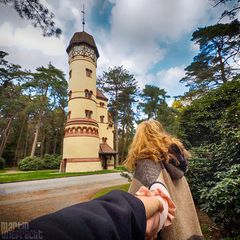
{"x": 117, "y": 215}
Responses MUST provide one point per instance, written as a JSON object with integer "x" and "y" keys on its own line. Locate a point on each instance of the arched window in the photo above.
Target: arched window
{"x": 102, "y": 119}
{"x": 88, "y": 94}
{"x": 69, "y": 95}
{"x": 88, "y": 72}
{"x": 69, "y": 115}
{"x": 104, "y": 140}
{"x": 88, "y": 113}
{"x": 101, "y": 104}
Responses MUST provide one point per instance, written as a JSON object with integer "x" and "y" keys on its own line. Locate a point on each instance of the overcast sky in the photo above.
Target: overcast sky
{"x": 150, "y": 38}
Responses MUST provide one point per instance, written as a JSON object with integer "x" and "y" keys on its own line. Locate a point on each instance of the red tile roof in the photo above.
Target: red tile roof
{"x": 100, "y": 95}
{"x": 106, "y": 149}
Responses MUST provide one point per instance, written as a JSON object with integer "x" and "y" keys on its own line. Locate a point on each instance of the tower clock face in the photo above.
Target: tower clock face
{"x": 83, "y": 50}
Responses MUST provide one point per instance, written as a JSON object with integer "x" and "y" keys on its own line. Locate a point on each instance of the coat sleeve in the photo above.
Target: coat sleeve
{"x": 117, "y": 215}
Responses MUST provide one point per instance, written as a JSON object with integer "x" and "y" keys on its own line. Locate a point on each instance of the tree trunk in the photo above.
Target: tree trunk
{"x": 116, "y": 138}
{"x": 26, "y": 143}
{"x": 35, "y": 138}
{"x": 5, "y": 135}
{"x": 19, "y": 141}
{"x": 222, "y": 67}
{"x": 38, "y": 126}
{"x": 42, "y": 145}
{"x": 62, "y": 132}
{"x": 55, "y": 143}
{"x": 123, "y": 143}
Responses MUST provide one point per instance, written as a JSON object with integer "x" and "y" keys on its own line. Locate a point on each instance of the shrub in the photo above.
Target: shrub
{"x": 211, "y": 123}
{"x": 2, "y": 163}
{"x": 214, "y": 177}
{"x": 52, "y": 161}
{"x": 31, "y": 163}
{"x": 202, "y": 120}
{"x": 222, "y": 201}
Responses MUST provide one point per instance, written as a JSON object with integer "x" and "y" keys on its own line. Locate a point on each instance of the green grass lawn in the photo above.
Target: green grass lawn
{"x": 104, "y": 191}
{"x": 43, "y": 174}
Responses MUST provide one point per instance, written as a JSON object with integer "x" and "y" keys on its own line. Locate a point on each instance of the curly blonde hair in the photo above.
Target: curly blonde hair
{"x": 151, "y": 141}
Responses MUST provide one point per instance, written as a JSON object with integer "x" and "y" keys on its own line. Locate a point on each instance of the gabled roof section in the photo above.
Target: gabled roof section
{"x": 106, "y": 149}
{"x": 81, "y": 38}
{"x": 100, "y": 95}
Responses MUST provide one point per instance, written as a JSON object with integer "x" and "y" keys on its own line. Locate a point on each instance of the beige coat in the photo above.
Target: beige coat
{"x": 185, "y": 225}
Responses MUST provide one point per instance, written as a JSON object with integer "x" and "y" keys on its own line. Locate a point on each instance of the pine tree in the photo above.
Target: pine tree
{"x": 118, "y": 82}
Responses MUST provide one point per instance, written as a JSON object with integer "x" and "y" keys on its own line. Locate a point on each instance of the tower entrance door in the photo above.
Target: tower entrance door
{"x": 104, "y": 162}
{"x": 64, "y": 165}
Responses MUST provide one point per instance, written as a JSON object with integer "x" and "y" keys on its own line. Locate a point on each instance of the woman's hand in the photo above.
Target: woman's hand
{"x": 153, "y": 207}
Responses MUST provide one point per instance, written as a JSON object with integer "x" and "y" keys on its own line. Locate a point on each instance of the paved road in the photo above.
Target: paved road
{"x": 47, "y": 184}
{"x": 23, "y": 201}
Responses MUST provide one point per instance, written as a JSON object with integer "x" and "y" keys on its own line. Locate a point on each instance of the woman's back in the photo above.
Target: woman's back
{"x": 185, "y": 225}
{"x": 156, "y": 156}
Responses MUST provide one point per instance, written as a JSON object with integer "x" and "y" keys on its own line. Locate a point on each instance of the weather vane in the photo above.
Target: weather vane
{"x": 83, "y": 18}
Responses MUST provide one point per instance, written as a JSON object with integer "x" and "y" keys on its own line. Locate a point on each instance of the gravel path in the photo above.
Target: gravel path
{"x": 23, "y": 201}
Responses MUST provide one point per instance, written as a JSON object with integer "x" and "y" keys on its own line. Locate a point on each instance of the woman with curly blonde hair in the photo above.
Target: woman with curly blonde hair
{"x": 151, "y": 142}
{"x": 159, "y": 159}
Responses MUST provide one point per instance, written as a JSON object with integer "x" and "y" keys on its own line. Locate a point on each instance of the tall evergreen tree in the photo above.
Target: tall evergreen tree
{"x": 47, "y": 87}
{"x": 118, "y": 82}
{"x": 127, "y": 116}
{"x": 217, "y": 61}
{"x": 152, "y": 97}
{"x": 11, "y": 102}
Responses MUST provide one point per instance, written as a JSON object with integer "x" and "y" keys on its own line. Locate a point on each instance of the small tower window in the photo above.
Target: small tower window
{"x": 101, "y": 119}
{"x": 101, "y": 104}
{"x": 86, "y": 93}
{"x": 90, "y": 94}
{"x": 88, "y": 72}
{"x": 104, "y": 140}
{"x": 69, "y": 115}
{"x": 88, "y": 113}
{"x": 70, "y": 73}
{"x": 69, "y": 95}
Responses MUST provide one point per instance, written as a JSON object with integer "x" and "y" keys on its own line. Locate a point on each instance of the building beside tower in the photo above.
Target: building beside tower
{"x": 88, "y": 139}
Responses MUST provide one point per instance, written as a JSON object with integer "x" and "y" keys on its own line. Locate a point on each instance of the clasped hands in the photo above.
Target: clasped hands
{"x": 159, "y": 208}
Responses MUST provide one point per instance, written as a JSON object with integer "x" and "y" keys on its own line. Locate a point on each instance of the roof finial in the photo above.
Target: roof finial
{"x": 83, "y": 18}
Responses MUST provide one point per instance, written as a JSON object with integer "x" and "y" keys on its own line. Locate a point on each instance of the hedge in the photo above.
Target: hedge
{"x": 37, "y": 163}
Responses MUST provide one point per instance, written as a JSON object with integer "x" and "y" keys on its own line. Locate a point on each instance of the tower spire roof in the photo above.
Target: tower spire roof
{"x": 82, "y": 38}
{"x": 83, "y": 17}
